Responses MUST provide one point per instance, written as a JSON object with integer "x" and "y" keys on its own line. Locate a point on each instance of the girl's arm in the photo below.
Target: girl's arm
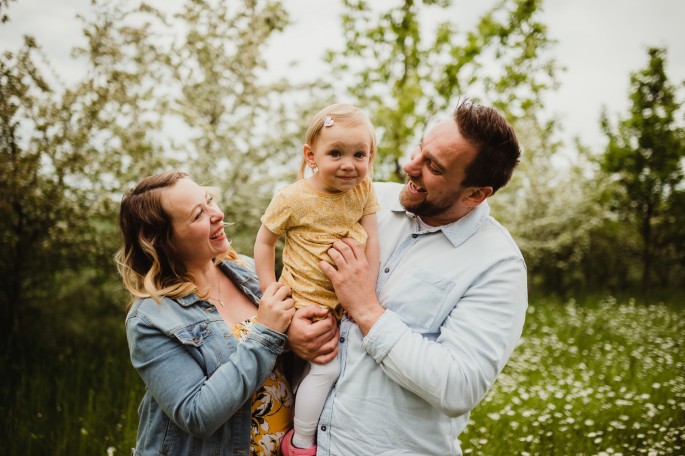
{"x": 265, "y": 257}
{"x": 372, "y": 250}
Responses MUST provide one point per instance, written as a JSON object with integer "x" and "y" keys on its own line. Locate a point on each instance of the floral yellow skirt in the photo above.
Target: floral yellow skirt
{"x": 272, "y": 407}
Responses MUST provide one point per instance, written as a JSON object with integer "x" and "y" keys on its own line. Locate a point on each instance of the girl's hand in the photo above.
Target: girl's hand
{"x": 276, "y": 308}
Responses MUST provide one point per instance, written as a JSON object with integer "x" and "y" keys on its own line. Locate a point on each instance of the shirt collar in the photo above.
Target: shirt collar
{"x": 459, "y": 231}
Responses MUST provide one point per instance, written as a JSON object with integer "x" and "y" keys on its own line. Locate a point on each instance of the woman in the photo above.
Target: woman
{"x": 201, "y": 335}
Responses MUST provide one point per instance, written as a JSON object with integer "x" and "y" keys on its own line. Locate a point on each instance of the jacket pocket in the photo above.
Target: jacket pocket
{"x": 195, "y": 339}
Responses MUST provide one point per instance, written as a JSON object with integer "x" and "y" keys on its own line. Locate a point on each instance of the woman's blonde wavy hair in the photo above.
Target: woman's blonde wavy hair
{"x": 147, "y": 261}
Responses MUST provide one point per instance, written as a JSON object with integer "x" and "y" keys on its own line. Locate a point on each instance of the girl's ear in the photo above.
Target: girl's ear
{"x": 308, "y": 154}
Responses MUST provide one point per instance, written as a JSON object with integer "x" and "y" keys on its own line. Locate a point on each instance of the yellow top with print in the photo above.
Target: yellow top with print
{"x": 311, "y": 221}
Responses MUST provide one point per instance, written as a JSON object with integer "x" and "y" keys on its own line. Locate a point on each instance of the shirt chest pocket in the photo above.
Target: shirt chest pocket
{"x": 198, "y": 339}
{"x": 420, "y": 299}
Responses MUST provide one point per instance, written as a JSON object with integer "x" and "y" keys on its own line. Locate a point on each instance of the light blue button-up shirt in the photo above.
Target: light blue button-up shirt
{"x": 455, "y": 299}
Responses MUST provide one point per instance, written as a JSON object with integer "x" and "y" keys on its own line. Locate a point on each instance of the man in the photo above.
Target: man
{"x": 423, "y": 345}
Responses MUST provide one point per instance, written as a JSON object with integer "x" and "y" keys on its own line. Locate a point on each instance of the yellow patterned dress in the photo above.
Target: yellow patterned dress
{"x": 272, "y": 407}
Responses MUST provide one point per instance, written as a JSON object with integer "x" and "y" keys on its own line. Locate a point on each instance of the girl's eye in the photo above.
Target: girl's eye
{"x": 360, "y": 155}
{"x": 335, "y": 153}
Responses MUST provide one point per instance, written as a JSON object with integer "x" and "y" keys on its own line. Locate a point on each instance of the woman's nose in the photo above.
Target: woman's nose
{"x": 217, "y": 214}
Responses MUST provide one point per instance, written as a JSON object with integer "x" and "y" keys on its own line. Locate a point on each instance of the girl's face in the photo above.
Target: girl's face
{"x": 197, "y": 223}
{"x": 342, "y": 155}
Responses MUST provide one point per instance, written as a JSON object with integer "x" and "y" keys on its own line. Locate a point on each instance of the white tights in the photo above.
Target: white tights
{"x": 309, "y": 400}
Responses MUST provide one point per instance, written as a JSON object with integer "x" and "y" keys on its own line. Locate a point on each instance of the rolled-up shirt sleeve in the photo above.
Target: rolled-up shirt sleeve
{"x": 454, "y": 371}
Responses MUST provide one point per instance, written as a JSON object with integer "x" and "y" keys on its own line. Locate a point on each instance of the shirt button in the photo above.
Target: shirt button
{"x": 387, "y": 270}
{"x": 414, "y": 235}
{"x": 323, "y": 428}
{"x": 342, "y": 340}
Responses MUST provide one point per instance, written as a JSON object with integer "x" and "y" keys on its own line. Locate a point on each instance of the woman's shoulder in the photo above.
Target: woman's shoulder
{"x": 166, "y": 315}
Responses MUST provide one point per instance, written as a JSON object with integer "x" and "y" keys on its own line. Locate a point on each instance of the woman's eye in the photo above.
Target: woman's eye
{"x": 199, "y": 215}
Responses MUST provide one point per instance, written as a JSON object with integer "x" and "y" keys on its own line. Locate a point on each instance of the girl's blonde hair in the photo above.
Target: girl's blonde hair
{"x": 343, "y": 114}
{"x": 147, "y": 261}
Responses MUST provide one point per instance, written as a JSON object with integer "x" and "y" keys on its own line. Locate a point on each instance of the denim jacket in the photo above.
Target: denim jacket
{"x": 199, "y": 378}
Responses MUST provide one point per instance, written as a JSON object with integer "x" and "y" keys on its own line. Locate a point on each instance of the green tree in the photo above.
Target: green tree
{"x": 406, "y": 74}
{"x": 160, "y": 91}
{"x": 644, "y": 157}
{"x": 43, "y": 209}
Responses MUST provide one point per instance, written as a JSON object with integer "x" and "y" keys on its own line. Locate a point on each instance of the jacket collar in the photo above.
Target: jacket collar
{"x": 239, "y": 275}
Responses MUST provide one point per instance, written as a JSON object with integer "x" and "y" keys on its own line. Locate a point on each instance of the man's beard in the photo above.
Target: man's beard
{"x": 423, "y": 208}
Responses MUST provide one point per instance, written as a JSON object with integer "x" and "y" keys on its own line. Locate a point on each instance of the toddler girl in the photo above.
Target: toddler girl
{"x": 337, "y": 200}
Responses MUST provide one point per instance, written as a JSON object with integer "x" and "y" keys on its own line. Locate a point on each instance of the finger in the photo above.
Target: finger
{"x": 272, "y": 289}
{"x": 344, "y": 250}
{"x": 327, "y": 268}
{"x": 355, "y": 246}
{"x": 327, "y": 358}
{"x": 310, "y": 312}
{"x": 289, "y": 303}
{"x": 282, "y": 292}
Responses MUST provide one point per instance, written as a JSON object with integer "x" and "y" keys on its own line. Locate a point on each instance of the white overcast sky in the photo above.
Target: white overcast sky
{"x": 600, "y": 42}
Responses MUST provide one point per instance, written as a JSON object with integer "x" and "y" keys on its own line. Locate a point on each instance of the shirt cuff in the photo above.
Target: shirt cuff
{"x": 383, "y": 335}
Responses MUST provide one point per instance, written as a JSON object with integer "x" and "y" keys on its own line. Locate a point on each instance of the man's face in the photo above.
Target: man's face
{"x": 435, "y": 173}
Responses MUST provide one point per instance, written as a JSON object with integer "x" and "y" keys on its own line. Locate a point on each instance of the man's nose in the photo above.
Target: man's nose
{"x": 412, "y": 167}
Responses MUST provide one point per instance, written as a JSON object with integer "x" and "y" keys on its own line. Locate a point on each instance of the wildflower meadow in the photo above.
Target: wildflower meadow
{"x": 602, "y": 378}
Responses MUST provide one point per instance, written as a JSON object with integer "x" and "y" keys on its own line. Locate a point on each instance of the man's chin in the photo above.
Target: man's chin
{"x": 409, "y": 201}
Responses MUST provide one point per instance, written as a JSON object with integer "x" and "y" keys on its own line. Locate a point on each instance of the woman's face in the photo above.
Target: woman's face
{"x": 197, "y": 223}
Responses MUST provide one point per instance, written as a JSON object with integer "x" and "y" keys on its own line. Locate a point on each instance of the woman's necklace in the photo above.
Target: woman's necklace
{"x": 218, "y": 282}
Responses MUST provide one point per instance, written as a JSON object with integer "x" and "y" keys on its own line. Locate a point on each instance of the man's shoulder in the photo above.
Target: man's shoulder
{"x": 387, "y": 194}
{"x": 495, "y": 238}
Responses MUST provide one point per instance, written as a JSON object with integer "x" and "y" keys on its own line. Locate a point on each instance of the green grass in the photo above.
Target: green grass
{"x": 82, "y": 401}
{"x": 601, "y": 378}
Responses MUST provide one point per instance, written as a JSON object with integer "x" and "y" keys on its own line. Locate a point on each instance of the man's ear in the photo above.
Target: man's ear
{"x": 477, "y": 195}
{"x": 308, "y": 154}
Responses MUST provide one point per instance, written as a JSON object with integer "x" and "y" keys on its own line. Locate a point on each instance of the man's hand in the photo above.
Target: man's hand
{"x": 314, "y": 341}
{"x": 354, "y": 283}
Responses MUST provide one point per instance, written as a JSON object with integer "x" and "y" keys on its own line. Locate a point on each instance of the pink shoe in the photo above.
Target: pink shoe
{"x": 287, "y": 448}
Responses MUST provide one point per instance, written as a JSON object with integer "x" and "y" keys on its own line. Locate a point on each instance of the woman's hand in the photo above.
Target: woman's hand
{"x": 314, "y": 341}
{"x": 276, "y": 308}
